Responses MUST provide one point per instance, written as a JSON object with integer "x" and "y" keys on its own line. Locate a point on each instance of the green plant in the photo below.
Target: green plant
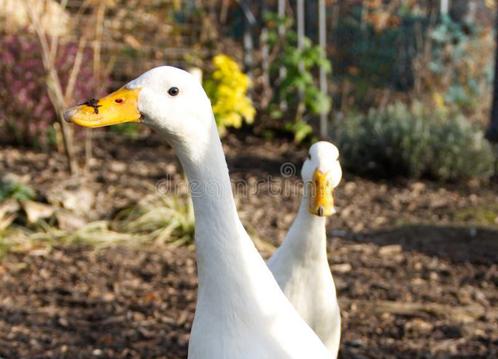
{"x": 297, "y": 87}
{"x": 227, "y": 88}
{"x": 459, "y": 151}
{"x": 15, "y": 190}
{"x": 413, "y": 141}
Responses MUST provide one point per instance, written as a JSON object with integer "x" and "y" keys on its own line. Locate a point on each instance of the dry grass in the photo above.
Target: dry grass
{"x": 158, "y": 219}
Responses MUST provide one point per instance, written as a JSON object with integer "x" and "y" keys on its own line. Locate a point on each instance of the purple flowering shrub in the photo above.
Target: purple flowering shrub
{"x": 26, "y": 113}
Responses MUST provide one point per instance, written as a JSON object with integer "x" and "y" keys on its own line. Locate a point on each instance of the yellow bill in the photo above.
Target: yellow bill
{"x": 118, "y": 107}
{"x": 322, "y": 195}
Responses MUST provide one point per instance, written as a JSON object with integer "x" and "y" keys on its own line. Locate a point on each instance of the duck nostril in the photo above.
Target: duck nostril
{"x": 93, "y": 103}
{"x": 118, "y": 100}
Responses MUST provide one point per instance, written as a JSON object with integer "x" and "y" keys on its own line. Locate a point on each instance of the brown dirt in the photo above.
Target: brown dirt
{"x": 415, "y": 268}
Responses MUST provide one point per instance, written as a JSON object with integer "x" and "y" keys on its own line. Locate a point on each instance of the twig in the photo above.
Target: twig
{"x": 97, "y": 68}
{"x": 54, "y": 88}
{"x": 55, "y": 37}
{"x": 75, "y": 70}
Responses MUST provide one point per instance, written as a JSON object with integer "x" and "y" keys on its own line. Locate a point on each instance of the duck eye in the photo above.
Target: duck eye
{"x": 118, "y": 100}
{"x": 309, "y": 156}
{"x": 173, "y": 91}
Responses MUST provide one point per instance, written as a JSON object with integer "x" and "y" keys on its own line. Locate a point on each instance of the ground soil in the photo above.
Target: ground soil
{"x": 415, "y": 263}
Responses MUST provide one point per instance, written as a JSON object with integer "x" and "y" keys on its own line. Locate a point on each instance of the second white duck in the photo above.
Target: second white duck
{"x": 300, "y": 264}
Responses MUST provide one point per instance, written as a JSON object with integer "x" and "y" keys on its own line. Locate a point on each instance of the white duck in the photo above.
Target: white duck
{"x": 300, "y": 264}
{"x": 241, "y": 312}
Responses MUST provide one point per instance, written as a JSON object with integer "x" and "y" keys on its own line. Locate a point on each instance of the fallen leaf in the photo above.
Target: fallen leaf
{"x": 69, "y": 221}
{"x": 36, "y": 211}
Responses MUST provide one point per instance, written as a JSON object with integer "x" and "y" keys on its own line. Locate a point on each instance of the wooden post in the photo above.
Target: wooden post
{"x": 300, "y": 23}
{"x": 300, "y": 44}
{"x": 444, "y": 7}
{"x": 322, "y": 34}
{"x": 265, "y": 51}
{"x": 249, "y": 22}
{"x": 492, "y": 132}
{"x": 248, "y": 49}
{"x": 281, "y": 33}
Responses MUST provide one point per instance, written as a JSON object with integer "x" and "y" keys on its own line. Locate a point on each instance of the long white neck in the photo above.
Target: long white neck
{"x": 304, "y": 227}
{"x": 217, "y": 222}
{"x": 229, "y": 267}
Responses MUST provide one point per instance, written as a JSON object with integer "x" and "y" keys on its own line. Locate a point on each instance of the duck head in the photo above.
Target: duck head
{"x": 321, "y": 173}
{"x": 165, "y": 98}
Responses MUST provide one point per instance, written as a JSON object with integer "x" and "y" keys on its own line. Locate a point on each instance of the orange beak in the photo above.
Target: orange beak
{"x": 322, "y": 195}
{"x": 118, "y": 107}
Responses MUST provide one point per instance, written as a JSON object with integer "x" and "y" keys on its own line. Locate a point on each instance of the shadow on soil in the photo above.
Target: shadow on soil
{"x": 477, "y": 245}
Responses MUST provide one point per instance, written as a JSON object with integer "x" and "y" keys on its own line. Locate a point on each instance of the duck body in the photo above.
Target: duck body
{"x": 300, "y": 264}
{"x": 241, "y": 312}
{"x": 302, "y": 271}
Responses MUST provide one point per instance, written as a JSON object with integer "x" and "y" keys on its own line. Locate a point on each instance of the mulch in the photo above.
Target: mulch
{"x": 416, "y": 271}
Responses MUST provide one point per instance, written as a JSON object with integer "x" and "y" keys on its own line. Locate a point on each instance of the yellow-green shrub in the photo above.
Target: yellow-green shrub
{"x": 227, "y": 88}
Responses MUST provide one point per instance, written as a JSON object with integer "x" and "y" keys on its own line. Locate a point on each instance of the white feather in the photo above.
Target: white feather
{"x": 300, "y": 264}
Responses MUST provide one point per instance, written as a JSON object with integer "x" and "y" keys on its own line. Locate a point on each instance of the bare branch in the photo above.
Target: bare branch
{"x": 54, "y": 88}
{"x": 75, "y": 70}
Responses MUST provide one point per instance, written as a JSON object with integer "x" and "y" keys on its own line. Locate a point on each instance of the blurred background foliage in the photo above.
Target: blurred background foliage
{"x": 227, "y": 88}
{"x": 296, "y": 95}
{"x": 25, "y": 108}
{"x": 409, "y": 92}
{"x": 413, "y": 141}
